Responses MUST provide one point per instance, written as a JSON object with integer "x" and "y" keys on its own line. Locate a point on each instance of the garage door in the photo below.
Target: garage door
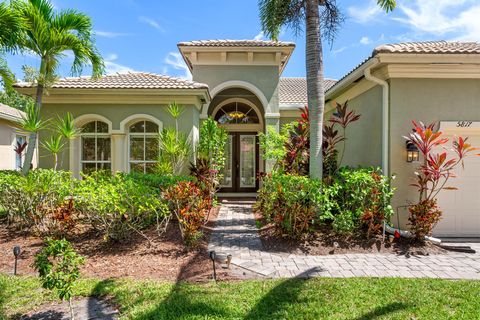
{"x": 461, "y": 208}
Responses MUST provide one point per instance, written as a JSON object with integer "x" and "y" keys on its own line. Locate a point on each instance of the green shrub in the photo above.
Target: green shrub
{"x": 357, "y": 199}
{"x": 33, "y": 200}
{"x": 363, "y": 199}
{"x": 118, "y": 205}
{"x": 161, "y": 182}
{"x": 58, "y": 266}
{"x": 191, "y": 208}
{"x": 290, "y": 202}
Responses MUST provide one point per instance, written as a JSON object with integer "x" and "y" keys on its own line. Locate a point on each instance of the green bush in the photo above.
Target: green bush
{"x": 357, "y": 199}
{"x": 290, "y": 202}
{"x": 32, "y": 200}
{"x": 161, "y": 182}
{"x": 118, "y": 205}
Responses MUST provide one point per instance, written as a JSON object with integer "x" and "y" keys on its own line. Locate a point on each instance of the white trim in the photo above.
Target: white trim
{"x": 241, "y": 84}
{"x": 385, "y": 113}
{"x": 272, "y": 115}
{"x": 251, "y": 126}
{"x": 143, "y": 135}
{"x": 75, "y": 150}
{"x": 138, "y": 117}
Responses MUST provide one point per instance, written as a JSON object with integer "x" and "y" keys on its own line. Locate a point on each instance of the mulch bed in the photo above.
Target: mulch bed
{"x": 164, "y": 258}
{"x": 324, "y": 241}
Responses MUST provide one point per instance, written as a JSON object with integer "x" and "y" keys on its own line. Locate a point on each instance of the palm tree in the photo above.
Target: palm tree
{"x": 10, "y": 26}
{"x": 321, "y": 18}
{"x": 50, "y": 34}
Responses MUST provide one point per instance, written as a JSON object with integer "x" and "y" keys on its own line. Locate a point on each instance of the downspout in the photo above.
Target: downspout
{"x": 385, "y": 113}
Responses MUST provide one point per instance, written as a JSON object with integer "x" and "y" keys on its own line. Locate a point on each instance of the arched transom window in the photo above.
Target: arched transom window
{"x": 143, "y": 146}
{"x": 96, "y": 147}
{"x": 236, "y": 113}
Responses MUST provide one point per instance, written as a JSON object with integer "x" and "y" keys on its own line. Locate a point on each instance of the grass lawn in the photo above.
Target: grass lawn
{"x": 355, "y": 298}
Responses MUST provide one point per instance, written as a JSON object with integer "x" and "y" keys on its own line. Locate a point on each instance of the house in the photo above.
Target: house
{"x": 424, "y": 81}
{"x": 239, "y": 84}
{"x": 10, "y": 137}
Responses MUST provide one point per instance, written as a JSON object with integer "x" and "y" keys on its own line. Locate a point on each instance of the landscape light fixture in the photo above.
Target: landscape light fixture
{"x": 212, "y": 257}
{"x": 412, "y": 152}
{"x": 16, "y": 253}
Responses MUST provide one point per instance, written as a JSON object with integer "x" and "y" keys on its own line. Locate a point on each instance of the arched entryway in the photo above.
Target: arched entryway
{"x": 240, "y": 113}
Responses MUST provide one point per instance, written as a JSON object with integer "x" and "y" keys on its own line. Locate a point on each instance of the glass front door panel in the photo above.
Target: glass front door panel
{"x": 227, "y": 181}
{"x": 247, "y": 161}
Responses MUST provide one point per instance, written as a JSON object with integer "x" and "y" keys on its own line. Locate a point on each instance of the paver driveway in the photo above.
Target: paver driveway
{"x": 236, "y": 234}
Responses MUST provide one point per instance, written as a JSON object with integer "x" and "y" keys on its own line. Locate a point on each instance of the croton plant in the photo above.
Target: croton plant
{"x": 433, "y": 173}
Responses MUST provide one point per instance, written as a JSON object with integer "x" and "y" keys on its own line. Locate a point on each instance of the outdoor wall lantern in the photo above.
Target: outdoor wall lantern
{"x": 16, "y": 253}
{"x": 412, "y": 152}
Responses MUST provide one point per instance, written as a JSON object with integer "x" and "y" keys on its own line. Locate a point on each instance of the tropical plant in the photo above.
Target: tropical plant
{"x": 190, "y": 209}
{"x": 32, "y": 123}
{"x": 433, "y": 173}
{"x": 321, "y": 18}
{"x": 213, "y": 139}
{"x": 54, "y": 145}
{"x": 175, "y": 148}
{"x": 10, "y": 30}
{"x": 58, "y": 266}
{"x": 297, "y": 146}
{"x": 272, "y": 144}
{"x": 19, "y": 148}
{"x": 175, "y": 111}
{"x": 33, "y": 201}
{"x": 118, "y": 205}
{"x": 50, "y": 34}
{"x": 14, "y": 99}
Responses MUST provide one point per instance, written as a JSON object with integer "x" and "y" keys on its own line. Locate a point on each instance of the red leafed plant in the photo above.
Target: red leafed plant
{"x": 433, "y": 174}
{"x": 190, "y": 209}
{"x": 297, "y": 147}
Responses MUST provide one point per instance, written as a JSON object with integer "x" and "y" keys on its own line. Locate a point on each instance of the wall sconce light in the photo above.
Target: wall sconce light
{"x": 412, "y": 152}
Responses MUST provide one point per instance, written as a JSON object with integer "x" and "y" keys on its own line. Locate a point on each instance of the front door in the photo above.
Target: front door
{"x": 241, "y": 165}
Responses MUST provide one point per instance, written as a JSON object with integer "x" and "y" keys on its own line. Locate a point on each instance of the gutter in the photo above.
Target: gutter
{"x": 385, "y": 112}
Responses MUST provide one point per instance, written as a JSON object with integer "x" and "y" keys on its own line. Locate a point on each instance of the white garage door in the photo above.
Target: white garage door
{"x": 461, "y": 208}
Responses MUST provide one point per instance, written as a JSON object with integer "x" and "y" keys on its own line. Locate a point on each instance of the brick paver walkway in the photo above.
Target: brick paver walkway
{"x": 236, "y": 234}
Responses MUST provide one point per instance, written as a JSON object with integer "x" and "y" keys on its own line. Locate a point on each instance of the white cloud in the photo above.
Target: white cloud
{"x": 259, "y": 36}
{"x": 339, "y": 50}
{"x": 175, "y": 60}
{"x": 113, "y": 67}
{"x": 452, "y": 20}
{"x": 365, "y": 41}
{"x": 152, "y": 23}
{"x": 364, "y": 14}
{"x": 108, "y": 34}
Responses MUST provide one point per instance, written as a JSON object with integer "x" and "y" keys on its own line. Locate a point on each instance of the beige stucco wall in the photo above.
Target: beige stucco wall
{"x": 364, "y": 137}
{"x": 425, "y": 100}
{"x": 188, "y": 123}
{"x": 8, "y": 132}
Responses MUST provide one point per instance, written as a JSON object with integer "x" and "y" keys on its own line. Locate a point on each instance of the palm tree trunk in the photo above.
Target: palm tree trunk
{"x": 32, "y": 142}
{"x": 34, "y": 135}
{"x": 315, "y": 90}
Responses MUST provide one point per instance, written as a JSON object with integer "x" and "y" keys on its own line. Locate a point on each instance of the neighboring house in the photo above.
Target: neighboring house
{"x": 10, "y": 136}
{"x": 424, "y": 81}
{"x": 239, "y": 83}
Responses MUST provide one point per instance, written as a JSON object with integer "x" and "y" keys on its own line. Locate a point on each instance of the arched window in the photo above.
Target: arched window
{"x": 143, "y": 146}
{"x": 96, "y": 147}
{"x": 236, "y": 113}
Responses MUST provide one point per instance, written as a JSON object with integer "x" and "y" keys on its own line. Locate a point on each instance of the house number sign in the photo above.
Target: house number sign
{"x": 459, "y": 124}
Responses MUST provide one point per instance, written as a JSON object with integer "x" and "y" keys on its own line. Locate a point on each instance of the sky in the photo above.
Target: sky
{"x": 141, "y": 35}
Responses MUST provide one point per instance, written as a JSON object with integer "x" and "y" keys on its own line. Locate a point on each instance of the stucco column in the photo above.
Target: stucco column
{"x": 273, "y": 120}
{"x": 119, "y": 152}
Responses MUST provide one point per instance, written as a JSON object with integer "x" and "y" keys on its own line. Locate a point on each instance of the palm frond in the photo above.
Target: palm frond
{"x": 32, "y": 121}
{"x": 66, "y": 127}
{"x": 274, "y": 14}
{"x": 54, "y": 144}
{"x": 5, "y": 74}
{"x": 10, "y": 27}
{"x": 387, "y": 5}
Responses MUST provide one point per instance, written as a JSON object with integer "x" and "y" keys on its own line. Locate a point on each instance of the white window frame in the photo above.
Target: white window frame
{"x": 143, "y": 135}
{"x": 95, "y": 135}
